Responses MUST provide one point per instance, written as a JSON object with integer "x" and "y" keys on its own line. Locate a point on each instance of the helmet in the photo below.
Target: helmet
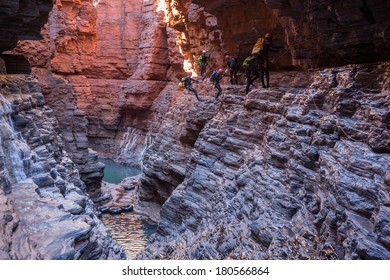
{"x": 220, "y": 70}
{"x": 189, "y": 73}
{"x": 227, "y": 56}
{"x": 204, "y": 51}
{"x": 268, "y": 36}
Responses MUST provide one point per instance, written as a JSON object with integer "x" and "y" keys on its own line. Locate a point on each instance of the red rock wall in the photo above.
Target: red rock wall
{"x": 317, "y": 33}
{"x": 96, "y": 58}
{"x": 114, "y": 59}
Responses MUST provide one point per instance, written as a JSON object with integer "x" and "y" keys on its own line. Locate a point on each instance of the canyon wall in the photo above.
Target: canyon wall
{"x": 44, "y": 204}
{"x": 46, "y": 212}
{"x": 115, "y": 57}
{"x": 109, "y": 62}
{"x": 316, "y": 33}
{"x": 297, "y": 171}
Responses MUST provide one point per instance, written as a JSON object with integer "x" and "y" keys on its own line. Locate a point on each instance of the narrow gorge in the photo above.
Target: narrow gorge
{"x": 299, "y": 170}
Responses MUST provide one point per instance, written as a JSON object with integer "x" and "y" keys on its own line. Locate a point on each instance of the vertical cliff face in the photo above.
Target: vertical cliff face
{"x": 111, "y": 60}
{"x": 117, "y": 56}
{"x": 46, "y": 212}
{"x": 67, "y": 48}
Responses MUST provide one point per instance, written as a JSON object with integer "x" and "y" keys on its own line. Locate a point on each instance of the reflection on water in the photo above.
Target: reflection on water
{"x": 129, "y": 231}
{"x": 114, "y": 172}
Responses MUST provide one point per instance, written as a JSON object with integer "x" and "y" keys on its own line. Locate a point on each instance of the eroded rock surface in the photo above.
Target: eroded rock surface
{"x": 298, "y": 171}
{"x": 45, "y": 210}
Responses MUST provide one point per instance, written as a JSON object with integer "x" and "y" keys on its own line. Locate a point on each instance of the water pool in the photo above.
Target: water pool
{"x": 128, "y": 228}
{"x": 129, "y": 231}
{"x": 114, "y": 172}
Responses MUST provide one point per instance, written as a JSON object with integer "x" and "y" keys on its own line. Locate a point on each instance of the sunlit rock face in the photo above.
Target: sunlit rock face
{"x": 110, "y": 60}
{"x": 67, "y": 48}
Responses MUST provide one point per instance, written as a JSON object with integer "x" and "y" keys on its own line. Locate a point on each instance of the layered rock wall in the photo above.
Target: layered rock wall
{"x": 67, "y": 47}
{"x": 116, "y": 55}
{"x": 110, "y": 61}
{"x": 299, "y": 171}
{"x": 46, "y": 212}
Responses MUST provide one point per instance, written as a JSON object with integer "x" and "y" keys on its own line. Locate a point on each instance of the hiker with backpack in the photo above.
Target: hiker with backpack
{"x": 187, "y": 83}
{"x": 257, "y": 64}
{"x": 202, "y": 61}
{"x": 233, "y": 66}
{"x": 252, "y": 73}
{"x": 264, "y": 59}
{"x": 215, "y": 77}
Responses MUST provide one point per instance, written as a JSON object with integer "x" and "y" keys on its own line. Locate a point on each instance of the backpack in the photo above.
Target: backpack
{"x": 258, "y": 47}
{"x": 182, "y": 82}
{"x": 199, "y": 60}
{"x": 248, "y": 61}
{"x": 232, "y": 63}
{"x": 213, "y": 76}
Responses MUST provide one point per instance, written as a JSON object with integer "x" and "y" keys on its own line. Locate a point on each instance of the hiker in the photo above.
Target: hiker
{"x": 202, "y": 60}
{"x": 187, "y": 83}
{"x": 257, "y": 64}
{"x": 233, "y": 66}
{"x": 215, "y": 77}
{"x": 252, "y": 73}
{"x": 264, "y": 60}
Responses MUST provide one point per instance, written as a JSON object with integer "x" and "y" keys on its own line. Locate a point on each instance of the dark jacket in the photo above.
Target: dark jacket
{"x": 215, "y": 76}
{"x": 188, "y": 81}
{"x": 268, "y": 46}
{"x": 203, "y": 59}
{"x": 232, "y": 63}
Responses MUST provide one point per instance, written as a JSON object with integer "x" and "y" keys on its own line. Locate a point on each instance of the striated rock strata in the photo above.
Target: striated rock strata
{"x": 298, "y": 171}
{"x": 69, "y": 40}
{"x": 111, "y": 59}
{"x": 107, "y": 62}
{"x": 45, "y": 210}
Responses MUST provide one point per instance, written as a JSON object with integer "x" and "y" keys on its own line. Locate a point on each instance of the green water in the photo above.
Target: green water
{"x": 114, "y": 172}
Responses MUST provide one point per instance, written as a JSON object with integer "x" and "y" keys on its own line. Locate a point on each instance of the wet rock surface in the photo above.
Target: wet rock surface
{"x": 46, "y": 212}
{"x": 289, "y": 172}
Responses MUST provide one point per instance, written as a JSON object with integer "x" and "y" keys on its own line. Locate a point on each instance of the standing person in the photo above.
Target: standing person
{"x": 187, "y": 82}
{"x": 215, "y": 77}
{"x": 264, "y": 59}
{"x": 233, "y": 66}
{"x": 202, "y": 60}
